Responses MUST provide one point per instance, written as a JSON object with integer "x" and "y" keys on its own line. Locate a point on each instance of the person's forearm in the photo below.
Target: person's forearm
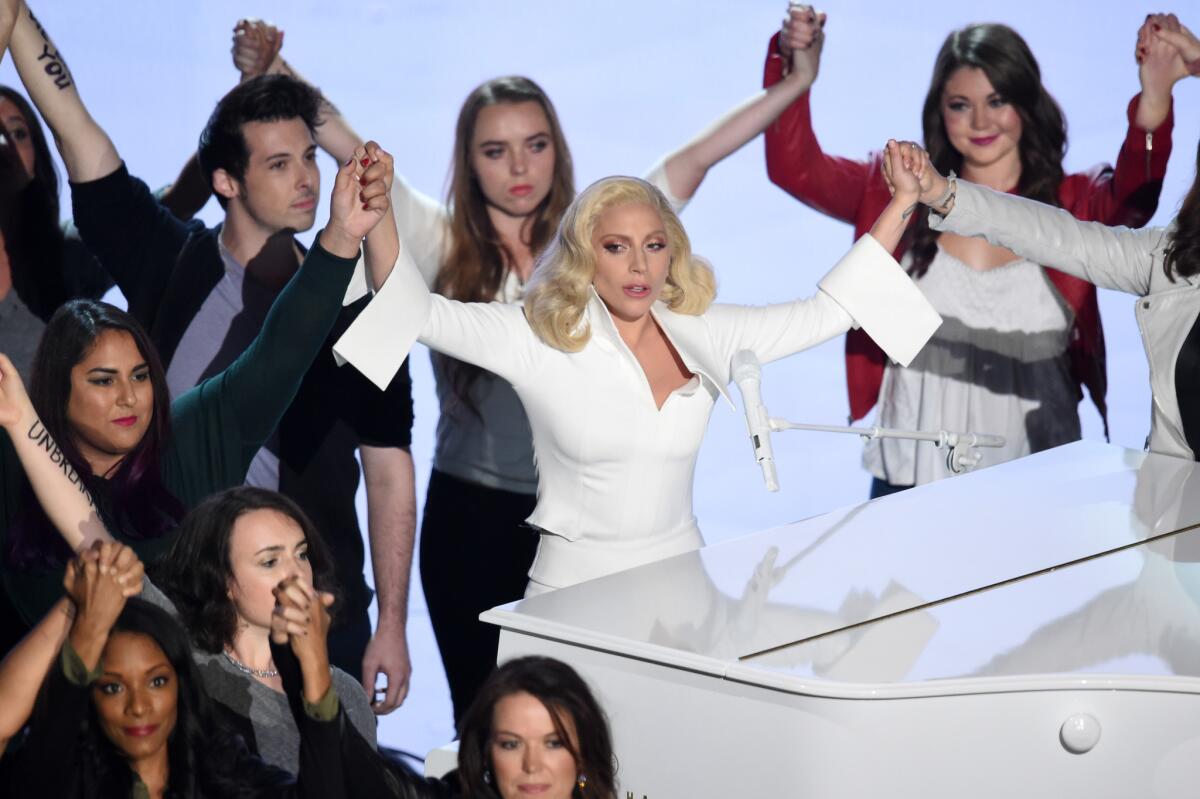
{"x": 8, "y": 19}
{"x": 26, "y": 665}
{"x": 58, "y": 487}
{"x": 381, "y": 249}
{"x": 85, "y": 147}
{"x": 190, "y": 191}
{"x": 334, "y": 134}
{"x": 391, "y": 528}
{"x": 1153, "y": 107}
{"x": 687, "y": 166}
{"x": 890, "y": 225}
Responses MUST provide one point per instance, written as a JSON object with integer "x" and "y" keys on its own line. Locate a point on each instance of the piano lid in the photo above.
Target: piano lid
{"x": 1128, "y": 619}
{"x": 710, "y": 609}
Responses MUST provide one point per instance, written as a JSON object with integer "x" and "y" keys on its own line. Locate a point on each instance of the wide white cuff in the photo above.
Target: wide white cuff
{"x": 379, "y": 339}
{"x": 883, "y": 300}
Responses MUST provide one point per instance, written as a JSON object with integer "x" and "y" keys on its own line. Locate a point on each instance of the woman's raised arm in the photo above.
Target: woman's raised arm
{"x": 55, "y": 482}
{"x": 86, "y": 150}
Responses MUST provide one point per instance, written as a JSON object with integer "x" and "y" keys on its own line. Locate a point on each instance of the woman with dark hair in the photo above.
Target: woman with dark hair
{"x": 125, "y": 714}
{"x": 1159, "y": 265}
{"x": 219, "y": 576}
{"x": 101, "y": 411}
{"x": 511, "y": 179}
{"x": 1019, "y": 339}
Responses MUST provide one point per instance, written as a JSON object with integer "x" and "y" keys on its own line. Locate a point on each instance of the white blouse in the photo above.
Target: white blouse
{"x": 614, "y": 471}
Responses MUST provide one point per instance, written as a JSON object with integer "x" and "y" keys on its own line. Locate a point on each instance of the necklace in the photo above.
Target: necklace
{"x": 244, "y": 669}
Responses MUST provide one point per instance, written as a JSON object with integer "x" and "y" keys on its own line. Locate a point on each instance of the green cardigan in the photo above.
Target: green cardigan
{"x": 216, "y": 427}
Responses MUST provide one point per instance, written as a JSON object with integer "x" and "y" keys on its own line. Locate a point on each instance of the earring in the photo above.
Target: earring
{"x": 487, "y": 776}
{"x": 582, "y": 781}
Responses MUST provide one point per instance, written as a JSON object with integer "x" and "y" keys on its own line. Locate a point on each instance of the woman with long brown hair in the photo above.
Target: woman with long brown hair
{"x": 511, "y": 178}
{"x": 1020, "y": 339}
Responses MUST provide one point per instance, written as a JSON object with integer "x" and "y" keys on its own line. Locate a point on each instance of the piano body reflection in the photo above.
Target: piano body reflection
{"x": 1026, "y": 630}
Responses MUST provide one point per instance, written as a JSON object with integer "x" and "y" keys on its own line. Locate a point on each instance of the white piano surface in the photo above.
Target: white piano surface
{"x": 991, "y": 608}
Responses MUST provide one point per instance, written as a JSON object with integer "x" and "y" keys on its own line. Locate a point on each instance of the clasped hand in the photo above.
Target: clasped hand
{"x": 361, "y": 199}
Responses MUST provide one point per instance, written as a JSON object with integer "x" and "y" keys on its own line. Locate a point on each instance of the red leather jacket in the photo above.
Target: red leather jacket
{"x": 855, "y": 192}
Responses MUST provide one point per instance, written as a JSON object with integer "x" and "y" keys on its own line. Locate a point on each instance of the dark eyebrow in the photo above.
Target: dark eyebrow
{"x": 276, "y": 548}
{"x": 102, "y": 369}
{"x": 539, "y": 135}
{"x": 273, "y": 156}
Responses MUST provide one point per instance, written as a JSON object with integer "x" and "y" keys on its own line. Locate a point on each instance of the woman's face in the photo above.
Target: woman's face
{"x": 266, "y": 547}
{"x": 633, "y": 259}
{"x": 112, "y": 399}
{"x": 529, "y": 758}
{"x": 512, "y": 156}
{"x": 18, "y": 128}
{"x": 981, "y": 124}
{"x": 137, "y": 696}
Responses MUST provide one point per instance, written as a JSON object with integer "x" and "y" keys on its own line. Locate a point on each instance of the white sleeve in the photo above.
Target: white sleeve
{"x": 423, "y": 224}
{"x": 867, "y": 288}
{"x": 494, "y": 336}
{"x": 1111, "y": 257}
{"x": 657, "y": 177}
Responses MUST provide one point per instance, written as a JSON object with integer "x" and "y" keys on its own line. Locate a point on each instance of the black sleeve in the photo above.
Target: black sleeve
{"x": 48, "y": 764}
{"x": 363, "y": 769}
{"x": 134, "y": 237}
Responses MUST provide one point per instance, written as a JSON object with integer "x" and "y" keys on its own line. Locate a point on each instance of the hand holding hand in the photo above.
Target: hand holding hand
{"x": 1161, "y": 62}
{"x": 801, "y": 39}
{"x": 903, "y": 168}
{"x": 98, "y": 582}
{"x": 15, "y": 406}
{"x": 1182, "y": 39}
{"x": 361, "y": 198}
{"x": 255, "y": 46}
{"x": 301, "y": 618}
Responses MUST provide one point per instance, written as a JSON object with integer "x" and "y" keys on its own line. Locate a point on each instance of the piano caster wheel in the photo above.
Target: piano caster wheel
{"x": 1079, "y": 733}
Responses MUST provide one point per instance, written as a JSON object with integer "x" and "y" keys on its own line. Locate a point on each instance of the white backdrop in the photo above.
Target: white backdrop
{"x": 632, "y": 80}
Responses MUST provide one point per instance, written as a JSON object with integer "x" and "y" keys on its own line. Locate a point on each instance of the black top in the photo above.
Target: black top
{"x": 166, "y": 269}
{"x": 1187, "y": 387}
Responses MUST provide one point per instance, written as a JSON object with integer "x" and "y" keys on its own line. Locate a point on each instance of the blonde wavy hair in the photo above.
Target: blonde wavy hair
{"x": 558, "y": 291}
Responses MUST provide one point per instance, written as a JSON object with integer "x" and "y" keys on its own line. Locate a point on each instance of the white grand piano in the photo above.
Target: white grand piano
{"x": 1029, "y": 630}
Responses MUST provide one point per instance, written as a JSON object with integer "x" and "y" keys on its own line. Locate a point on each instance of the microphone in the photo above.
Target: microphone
{"x": 747, "y": 373}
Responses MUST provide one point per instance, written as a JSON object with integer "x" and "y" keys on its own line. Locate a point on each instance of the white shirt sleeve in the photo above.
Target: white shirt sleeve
{"x": 657, "y": 177}
{"x": 494, "y": 336}
{"x": 423, "y": 225}
{"x": 866, "y": 288}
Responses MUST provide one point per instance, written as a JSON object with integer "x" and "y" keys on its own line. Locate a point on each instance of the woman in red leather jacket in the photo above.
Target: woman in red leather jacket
{"x": 1020, "y": 339}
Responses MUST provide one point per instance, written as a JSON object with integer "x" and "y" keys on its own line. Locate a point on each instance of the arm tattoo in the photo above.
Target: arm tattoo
{"x": 39, "y": 433}
{"x": 54, "y": 65}
{"x": 908, "y": 211}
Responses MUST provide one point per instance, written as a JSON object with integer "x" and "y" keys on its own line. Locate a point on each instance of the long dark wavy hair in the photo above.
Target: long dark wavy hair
{"x": 1183, "y": 251}
{"x": 29, "y": 222}
{"x": 132, "y": 499}
{"x": 196, "y": 573}
{"x": 476, "y": 260}
{"x": 1009, "y": 64}
{"x": 205, "y": 758}
{"x": 567, "y": 698}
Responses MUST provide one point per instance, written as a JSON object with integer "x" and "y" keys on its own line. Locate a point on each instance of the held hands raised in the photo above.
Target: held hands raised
{"x": 301, "y": 618}
{"x": 1161, "y": 54}
{"x": 98, "y": 582}
{"x": 361, "y": 198}
{"x": 256, "y": 44}
{"x": 800, "y": 41}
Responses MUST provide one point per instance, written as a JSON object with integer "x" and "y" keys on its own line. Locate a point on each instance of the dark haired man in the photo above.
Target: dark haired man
{"x": 203, "y": 294}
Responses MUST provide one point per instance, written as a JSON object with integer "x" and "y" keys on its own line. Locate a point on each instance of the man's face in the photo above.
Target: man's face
{"x": 280, "y": 187}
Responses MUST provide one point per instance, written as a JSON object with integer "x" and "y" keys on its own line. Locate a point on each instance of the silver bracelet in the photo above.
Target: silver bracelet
{"x": 950, "y": 193}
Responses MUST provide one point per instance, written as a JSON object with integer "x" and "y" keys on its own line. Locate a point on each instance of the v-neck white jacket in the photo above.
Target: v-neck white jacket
{"x": 614, "y": 470}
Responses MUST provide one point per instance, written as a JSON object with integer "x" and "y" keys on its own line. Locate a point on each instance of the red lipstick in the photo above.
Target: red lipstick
{"x": 141, "y": 732}
{"x": 984, "y": 141}
{"x": 126, "y": 421}
{"x": 523, "y": 190}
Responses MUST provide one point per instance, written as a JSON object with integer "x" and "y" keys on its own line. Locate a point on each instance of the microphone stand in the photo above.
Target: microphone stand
{"x": 961, "y": 452}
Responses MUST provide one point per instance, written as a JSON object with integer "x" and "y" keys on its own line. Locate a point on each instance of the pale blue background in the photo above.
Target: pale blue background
{"x": 632, "y": 80}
